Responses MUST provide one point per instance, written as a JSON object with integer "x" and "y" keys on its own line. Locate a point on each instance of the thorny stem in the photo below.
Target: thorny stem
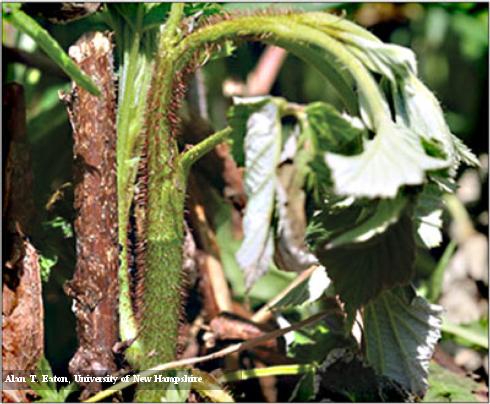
{"x": 215, "y": 355}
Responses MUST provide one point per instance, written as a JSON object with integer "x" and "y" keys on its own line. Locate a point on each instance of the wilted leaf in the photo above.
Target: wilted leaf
{"x": 262, "y": 145}
{"x": 394, "y": 158}
{"x": 329, "y": 69}
{"x": 326, "y": 130}
{"x": 386, "y": 59}
{"x": 401, "y": 330}
{"x": 291, "y": 253}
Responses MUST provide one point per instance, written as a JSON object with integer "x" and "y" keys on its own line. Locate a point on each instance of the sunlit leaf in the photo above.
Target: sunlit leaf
{"x": 394, "y": 158}
{"x": 418, "y": 109}
{"x": 47, "y": 263}
{"x": 238, "y": 116}
{"x": 386, "y": 212}
{"x": 464, "y": 153}
{"x": 308, "y": 291}
{"x": 428, "y": 216}
{"x": 386, "y": 59}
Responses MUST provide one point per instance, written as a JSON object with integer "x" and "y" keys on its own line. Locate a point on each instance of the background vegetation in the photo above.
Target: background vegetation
{"x": 451, "y": 44}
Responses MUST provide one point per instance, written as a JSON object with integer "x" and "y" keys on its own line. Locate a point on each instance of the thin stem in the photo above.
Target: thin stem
{"x": 215, "y": 355}
{"x": 189, "y": 157}
{"x": 281, "y": 370}
{"x": 46, "y": 42}
{"x": 265, "y": 311}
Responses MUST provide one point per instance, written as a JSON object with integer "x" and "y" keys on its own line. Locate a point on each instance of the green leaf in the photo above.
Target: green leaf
{"x": 361, "y": 271}
{"x": 304, "y": 391}
{"x": 61, "y": 223}
{"x": 205, "y": 8}
{"x": 418, "y": 109}
{"x": 464, "y": 153}
{"x": 312, "y": 345}
{"x": 308, "y": 291}
{"x": 394, "y": 158}
{"x": 177, "y": 393}
{"x": 46, "y": 42}
{"x": 262, "y": 144}
{"x": 448, "y": 387}
{"x": 386, "y": 212}
{"x": 401, "y": 330}
{"x": 47, "y": 391}
{"x": 47, "y": 263}
{"x": 345, "y": 377}
{"x": 331, "y": 131}
{"x": 156, "y": 14}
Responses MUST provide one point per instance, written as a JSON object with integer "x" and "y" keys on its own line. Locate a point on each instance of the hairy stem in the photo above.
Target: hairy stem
{"x": 284, "y": 30}
{"x": 164, "y": 231}
{"x": 196, "y": 152}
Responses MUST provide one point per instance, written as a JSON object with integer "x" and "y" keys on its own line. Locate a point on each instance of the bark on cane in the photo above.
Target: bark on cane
{"x": 22, "y": 307}
{"x": 94, "y": 285}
